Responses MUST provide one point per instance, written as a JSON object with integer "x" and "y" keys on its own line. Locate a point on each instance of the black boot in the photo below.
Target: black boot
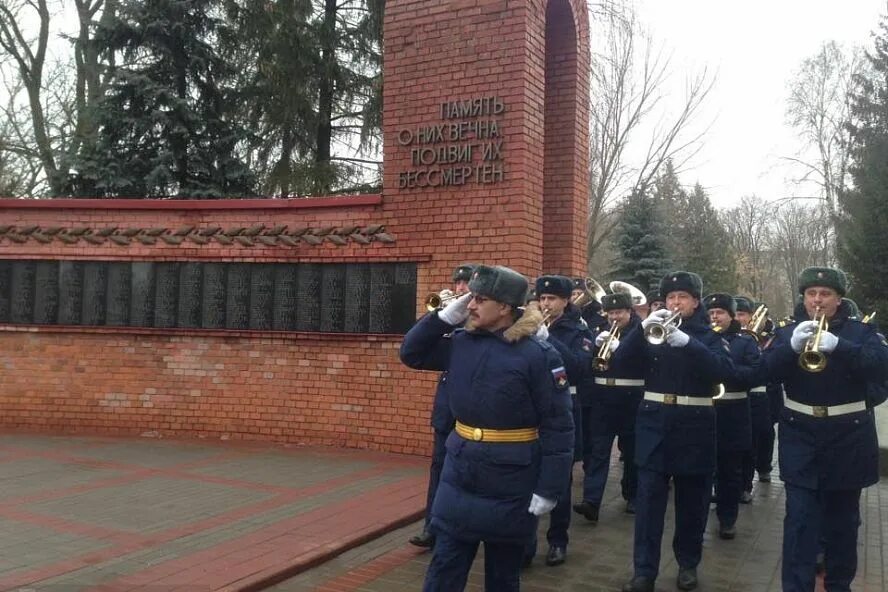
{"x": 556, "y": 555}
{"x": 639, "y": 584}
{"x": 425, "y": 539}
{"x": 687, "y": 579}
{"x": 587, "y": 510}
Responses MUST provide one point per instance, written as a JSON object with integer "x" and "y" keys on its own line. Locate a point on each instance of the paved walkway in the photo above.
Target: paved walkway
{"x": 115, "y": 514}
{"x": 600, "y": 557}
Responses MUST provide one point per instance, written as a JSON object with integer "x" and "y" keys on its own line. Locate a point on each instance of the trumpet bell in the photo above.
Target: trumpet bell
{"x": 812, "y": 361}
{"x": 637, "y": 296}
{"x": 436, "y": 300}
{"x": 656, "y": 333}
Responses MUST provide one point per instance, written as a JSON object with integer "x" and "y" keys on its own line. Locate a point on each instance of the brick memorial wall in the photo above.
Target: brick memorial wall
{"x": 281, "y": 319}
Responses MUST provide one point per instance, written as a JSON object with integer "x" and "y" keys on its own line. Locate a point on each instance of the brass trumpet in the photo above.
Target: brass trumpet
{"x": 869, "y": 318}
{"x": 656, "y": 333}
{"x": 601, "y": 362}
{"x": 812, "y": 359}
{"x": 437, "y": 300}
{"x": 756, "y": 323}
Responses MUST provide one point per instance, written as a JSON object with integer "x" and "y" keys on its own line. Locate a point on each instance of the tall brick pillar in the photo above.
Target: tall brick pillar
{"x": 486, "y": 132}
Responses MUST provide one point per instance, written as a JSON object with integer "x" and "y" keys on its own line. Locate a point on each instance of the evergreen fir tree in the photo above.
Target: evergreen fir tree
{"x": 705, "y": 248}
{"x": 641, "y": 253}
{"x": 166, "y": 127}
{"x": 862, "y": 248}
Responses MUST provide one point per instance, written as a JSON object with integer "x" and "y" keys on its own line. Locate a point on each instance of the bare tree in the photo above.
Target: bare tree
{"x": 801, "y": 238}
{"x": 628, "y": 76}
{"x": 819, "y": 108}
{"x": 749, "y": 231}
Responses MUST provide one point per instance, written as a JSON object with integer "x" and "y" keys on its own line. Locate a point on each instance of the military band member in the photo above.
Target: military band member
{"x": 655, "y": 301}
{"x": 511, "y": 449}
{"x": 591, "y": 313}
{"x": 442, "y": 422}
{"x": 828, "y": 444}
{"x": 732, "y": 414}
{"x": 765, "y": 402}
{"x": 566, "y": 331}
{"x": 675, "y": 429}
{"x": 616, "y": 394}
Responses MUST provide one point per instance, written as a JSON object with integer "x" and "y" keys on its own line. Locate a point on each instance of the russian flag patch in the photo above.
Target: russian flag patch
{"x": 559, "y": 374}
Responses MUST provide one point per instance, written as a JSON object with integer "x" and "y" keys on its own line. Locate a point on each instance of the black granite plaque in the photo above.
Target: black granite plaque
{"x": 285, "y": 282}
{"x": 382, "y": 280}
{"x": 212, "y": 308}
{"x": 189, "y": 294}
{"x": 262, "y": 297}
{"x": 142, "y": 294}
{"x": 308, "y": 297}
{"x": 5, "y": 289}
{"x": 95, "y": 290}
{"x": 22, "y": 296}
{"x": 404, "y": 297}
{"x": 237, "y": 301}
{"x": 117, "y": 302}
{"x": 333, "y": 298}
{"x": 46, "y": 293}
{"x": 357, "y": 295}
{"x": 70, "y": 292}
{"x": 166, "y": 294}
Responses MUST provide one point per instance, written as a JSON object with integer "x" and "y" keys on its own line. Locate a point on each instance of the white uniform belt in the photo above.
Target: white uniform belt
{"x": 573, "y": 390}
{"x": 758, "y": 389}
{"x": 732, "y": 396}
{"x": 824, "y": 410}
{"x": 619, "y": 381}
{"x": 669, "y": 399}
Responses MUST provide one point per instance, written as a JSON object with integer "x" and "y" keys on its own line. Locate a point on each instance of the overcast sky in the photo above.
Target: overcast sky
{"x": 754, "y": 46}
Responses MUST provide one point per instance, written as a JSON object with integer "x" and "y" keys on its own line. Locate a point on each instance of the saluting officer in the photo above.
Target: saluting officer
{"x": 511, "y": 449}
{"x": 566, "y": 331}
{"x": 675, "y": 429}
{"x": 616, "y": 394}
{"x": 732, "y": 414}
{"x": 442, "y": 422}
{"x": 828, "y": 445}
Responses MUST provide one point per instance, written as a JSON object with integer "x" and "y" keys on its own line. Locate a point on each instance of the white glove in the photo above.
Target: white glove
{"x": 801, "y": 334}
{"x": 543, "y": 332}
{"x": 602, "y": 337}
{"x": 457, "y": 311}
{"x": 540, "y": 505}
{"x": 677, "y": 338}
{"x": 828, "y": 342}
{"x": 656, "y": 317}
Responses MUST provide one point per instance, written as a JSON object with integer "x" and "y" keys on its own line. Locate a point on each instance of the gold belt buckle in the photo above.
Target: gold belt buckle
{"x": 821, "y": 411}
{"x": 477, "y": 434}
{"x": 611, "y": 381}
{"x": 670, "y": 399}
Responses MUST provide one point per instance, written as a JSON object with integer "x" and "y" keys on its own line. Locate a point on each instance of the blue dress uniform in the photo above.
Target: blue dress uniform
{"x": 675, "y": 436}
{"x": 573, "y": 341}
{"x": 616, "y": 395}
{"x": 733, "y": 426}
{"x": 504, "y": 382}
{"x": 828, "y": 449}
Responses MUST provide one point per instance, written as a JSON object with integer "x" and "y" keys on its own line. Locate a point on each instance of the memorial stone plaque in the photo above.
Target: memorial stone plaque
{"x": 333, "y": 298}
{"x": 189, "y": 294}
{"x": 22, "y": 296}
{"x": 117, "y": 307}
{"x": 262, "y": 297}
{"x": 308, "y": 297}
{"x": 5, "y": 289}
{"x": 142, "y": 294}
{"x": 237, "y": 303}
{"x": 95, "y": 290}
{"x": 357, "y": 298}
{"x": 46, "y": 293}
{"x": 382, "y": 280}
{"x": 70, "y": 292}
{"x": 166, "y": 294}
{"x": 285, "y": 282}
{"x": 404, "y": 297}
{"x": 212, "y": 308}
